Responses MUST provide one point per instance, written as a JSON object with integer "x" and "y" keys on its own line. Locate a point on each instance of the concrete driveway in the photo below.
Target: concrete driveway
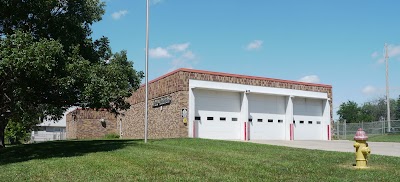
{"x": 378, "y": 148}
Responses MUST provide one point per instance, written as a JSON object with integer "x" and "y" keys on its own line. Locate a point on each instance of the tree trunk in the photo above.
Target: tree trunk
{"x": 2, "y": 128}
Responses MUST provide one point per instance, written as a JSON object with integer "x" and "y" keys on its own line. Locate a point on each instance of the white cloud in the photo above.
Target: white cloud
{"x": 179, "y": 55}
{"x": 180, "y": 63}
{"x": 375, "y": 54}
{"x": 189, "y": 55}
{"x": 179, "y": 47}
{"x": 154, "y": 2}
{"x": 393, "y": 50}
{"x": 381, "y": 60}
{"x": 255, "y": 44}
{"x": 368, "y": 90}
{"x": 186, "y": 60}
{"x": 310, "y": 79}
{"x": 117, "y": 15}
{"x": 159, "y": 52}
{"x": 393, "y": 53}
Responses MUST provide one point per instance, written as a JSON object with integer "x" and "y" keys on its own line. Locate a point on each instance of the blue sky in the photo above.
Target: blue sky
{"x": 331, "y": 42}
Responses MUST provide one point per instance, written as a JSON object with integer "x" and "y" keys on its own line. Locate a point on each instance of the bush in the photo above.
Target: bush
{"x": 16, "y": 133}
{"x": 111, "y": 136}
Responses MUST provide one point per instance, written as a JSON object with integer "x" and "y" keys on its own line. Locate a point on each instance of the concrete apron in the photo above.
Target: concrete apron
{"x": 377, "y": 148}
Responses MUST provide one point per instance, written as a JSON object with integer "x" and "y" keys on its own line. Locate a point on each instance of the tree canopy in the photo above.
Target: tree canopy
{"x": 49, "y": 62}
{"x": 369, "y": 111}
{"x": 348, "y": 111}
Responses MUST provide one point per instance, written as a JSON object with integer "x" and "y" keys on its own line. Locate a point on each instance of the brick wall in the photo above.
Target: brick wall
{"x": 163, "y": 122}
{"x": 86, "y": 124}
{"x": 179, "y": 81}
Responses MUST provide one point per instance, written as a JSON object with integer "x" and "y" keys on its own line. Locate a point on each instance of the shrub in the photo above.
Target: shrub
{"x": 111, "y": 136}
{"x": 16, "y": 133}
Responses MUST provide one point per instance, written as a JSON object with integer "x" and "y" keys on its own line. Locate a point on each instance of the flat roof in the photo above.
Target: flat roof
{"x": 237, "y": 76}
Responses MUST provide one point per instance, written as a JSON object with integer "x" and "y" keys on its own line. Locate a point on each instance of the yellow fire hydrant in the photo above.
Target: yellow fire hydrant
{"x": 362, "y": 149}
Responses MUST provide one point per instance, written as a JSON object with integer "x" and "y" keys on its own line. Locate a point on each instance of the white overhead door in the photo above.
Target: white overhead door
{"x": 307, "y": 115}
{"x": 267, "y": 117}
{"x": 218, "y": 114}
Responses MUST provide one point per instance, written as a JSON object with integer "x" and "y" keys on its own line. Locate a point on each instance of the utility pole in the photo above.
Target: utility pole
{"x": 147, "y": 73}
{"x": 387, "y": 86}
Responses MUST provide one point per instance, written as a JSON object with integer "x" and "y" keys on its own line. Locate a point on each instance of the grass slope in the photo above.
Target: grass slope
{"x": 184, "y": 160}
{"x": 385, "y": 138}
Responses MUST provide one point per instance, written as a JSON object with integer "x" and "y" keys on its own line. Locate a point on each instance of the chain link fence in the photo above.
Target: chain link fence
{"x": 346, "y": 131}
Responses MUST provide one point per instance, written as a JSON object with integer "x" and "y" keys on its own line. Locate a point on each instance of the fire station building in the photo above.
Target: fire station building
{"x": 213, "y": 105}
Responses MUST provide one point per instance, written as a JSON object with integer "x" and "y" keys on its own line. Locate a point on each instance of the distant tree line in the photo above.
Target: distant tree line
{"x": 375, "y": 110}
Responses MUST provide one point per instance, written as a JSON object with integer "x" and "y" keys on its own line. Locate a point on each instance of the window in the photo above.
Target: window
{"x": 198, "y": 118}
{"x": 280, "y": 121}
{"x": 309, "y": 122}
{"x": 250, "y": 120}
{"x": 259, "y": 120}
{"x": 318, "y": 122}
{"x": 234, "y": 119}
{"x": 222, "y": 119}
{"x": 210, "y": 118}
{"x": 270, "y": 120}
{"x": 301, "y": 122}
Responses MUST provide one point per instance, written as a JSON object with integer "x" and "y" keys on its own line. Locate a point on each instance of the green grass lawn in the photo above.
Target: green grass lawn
{"x": 379, "y": 138}
{"x": 385, "y": 138}
{"x": 184, "y": 160}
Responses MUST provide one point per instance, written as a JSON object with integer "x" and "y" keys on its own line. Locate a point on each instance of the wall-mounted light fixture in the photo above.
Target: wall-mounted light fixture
{"x": 74, "y": 115}
{"x": 103, "y": 122}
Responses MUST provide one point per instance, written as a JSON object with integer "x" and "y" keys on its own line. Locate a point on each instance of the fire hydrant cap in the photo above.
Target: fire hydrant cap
{"x": 360, "y": 135}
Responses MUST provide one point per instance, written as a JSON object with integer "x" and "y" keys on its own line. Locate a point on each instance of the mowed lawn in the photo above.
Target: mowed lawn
{"x": 380, "y": 138}
{"x": 385, "y": 138}
{"x": 184, "y": 160}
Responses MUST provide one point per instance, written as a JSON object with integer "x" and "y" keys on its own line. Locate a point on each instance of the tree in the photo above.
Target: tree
{"x": 16, "y": 131}
{"x": 370, "y": 111}
{"x": 48, "y": 62}
{"x": 397, "y": 109}
{"x": 367, "y": 112}
{"x": 349, "y": 111}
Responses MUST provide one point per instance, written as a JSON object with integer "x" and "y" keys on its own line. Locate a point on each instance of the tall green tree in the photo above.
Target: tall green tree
{"x": 367, "y": 112}
{"x": 349, "y": 111}
{"x": 49, "y": 62}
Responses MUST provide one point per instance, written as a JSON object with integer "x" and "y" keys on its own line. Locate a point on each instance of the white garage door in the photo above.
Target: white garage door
{"x": 307, "y": 115}
{"x": 218, "y": 114}
{"x": 267, "y": 117}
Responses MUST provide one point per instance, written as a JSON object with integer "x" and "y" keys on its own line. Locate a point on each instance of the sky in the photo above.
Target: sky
{"x": 340, "y": 43}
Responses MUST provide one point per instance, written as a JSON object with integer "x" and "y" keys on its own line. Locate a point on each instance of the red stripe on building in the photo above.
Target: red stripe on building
{"x": 194, "y": 129}
{"x": 245, "y": 133}
{"x": 291, "y": 132}
{"x": 329, "y": 132}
